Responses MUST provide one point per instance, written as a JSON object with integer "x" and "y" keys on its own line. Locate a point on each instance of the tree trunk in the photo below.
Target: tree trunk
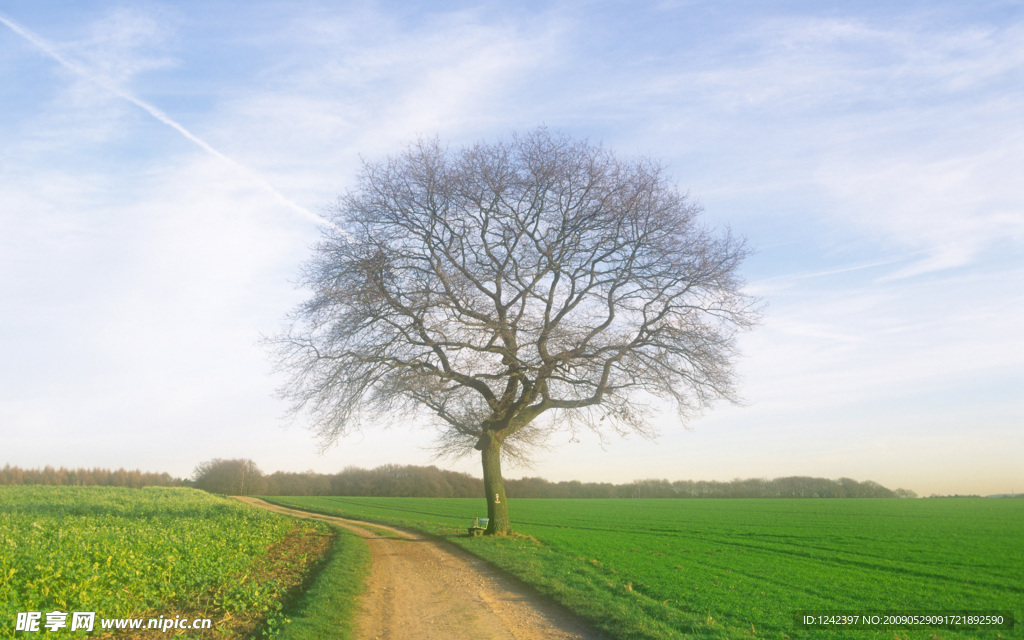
{"x": 494, "y": 487}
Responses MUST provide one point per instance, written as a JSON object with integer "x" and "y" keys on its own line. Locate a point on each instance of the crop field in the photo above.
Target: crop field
{"x": 145, "y": 553}
{"x": 655, "y": 569}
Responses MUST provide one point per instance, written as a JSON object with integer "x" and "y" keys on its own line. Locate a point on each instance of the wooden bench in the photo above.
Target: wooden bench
{"x": 478, "y": 527}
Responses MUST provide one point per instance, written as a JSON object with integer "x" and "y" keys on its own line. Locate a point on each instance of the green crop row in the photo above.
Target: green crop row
{"x": 653, "y": 569}
{"x": 134, "y": 552}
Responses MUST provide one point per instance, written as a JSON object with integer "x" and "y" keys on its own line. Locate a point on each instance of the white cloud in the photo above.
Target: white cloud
{"x": 842, "y": 345}
{"x": 125, "y": 43}
{"x": 951, "y": 208}
{"x": 900, "y": 132}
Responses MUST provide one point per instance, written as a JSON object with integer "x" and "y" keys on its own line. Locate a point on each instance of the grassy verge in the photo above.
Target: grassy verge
{"x": 328, "y": 605}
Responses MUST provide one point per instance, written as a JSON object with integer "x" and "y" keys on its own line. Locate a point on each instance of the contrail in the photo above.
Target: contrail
{"x": 49, "y": 50}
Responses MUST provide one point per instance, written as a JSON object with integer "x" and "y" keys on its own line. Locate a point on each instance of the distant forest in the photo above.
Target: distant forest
{"x": 243, "y": 477}
{"x": 87, "y": 477}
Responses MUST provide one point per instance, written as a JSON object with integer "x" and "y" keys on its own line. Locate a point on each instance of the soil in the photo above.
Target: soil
{"x": 423, "y": 589}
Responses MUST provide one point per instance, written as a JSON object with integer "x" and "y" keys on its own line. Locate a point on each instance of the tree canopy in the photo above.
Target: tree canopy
{"x": 508, "y": 290}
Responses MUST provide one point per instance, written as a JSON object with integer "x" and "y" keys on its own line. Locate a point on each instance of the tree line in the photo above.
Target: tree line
{"x": 87, "y": 477}
{"x": 242, "y": 477}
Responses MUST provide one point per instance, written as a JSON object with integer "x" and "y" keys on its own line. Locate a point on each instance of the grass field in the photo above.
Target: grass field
{"x": 655, "y": 569}
{"x": 145, "y": 553}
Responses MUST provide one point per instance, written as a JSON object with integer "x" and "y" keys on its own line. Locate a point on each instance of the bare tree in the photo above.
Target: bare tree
{"x": 508, "y": 290}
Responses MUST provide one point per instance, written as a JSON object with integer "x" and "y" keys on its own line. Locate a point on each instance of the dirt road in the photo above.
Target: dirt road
{"x": 420, "y": 589}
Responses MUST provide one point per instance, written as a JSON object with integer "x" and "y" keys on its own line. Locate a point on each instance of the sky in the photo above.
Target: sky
{"x": 165, "y": 169}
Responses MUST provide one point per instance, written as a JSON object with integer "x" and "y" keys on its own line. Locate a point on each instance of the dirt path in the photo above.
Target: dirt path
{"x": 421, "y": 589}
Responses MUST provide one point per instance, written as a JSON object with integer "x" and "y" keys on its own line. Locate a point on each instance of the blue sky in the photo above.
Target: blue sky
{"x": 164, "y": 166}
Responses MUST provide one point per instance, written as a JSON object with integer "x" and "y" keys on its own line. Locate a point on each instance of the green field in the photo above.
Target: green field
{"x": 655, "y": 569}
{"x": 145, "y": 553}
